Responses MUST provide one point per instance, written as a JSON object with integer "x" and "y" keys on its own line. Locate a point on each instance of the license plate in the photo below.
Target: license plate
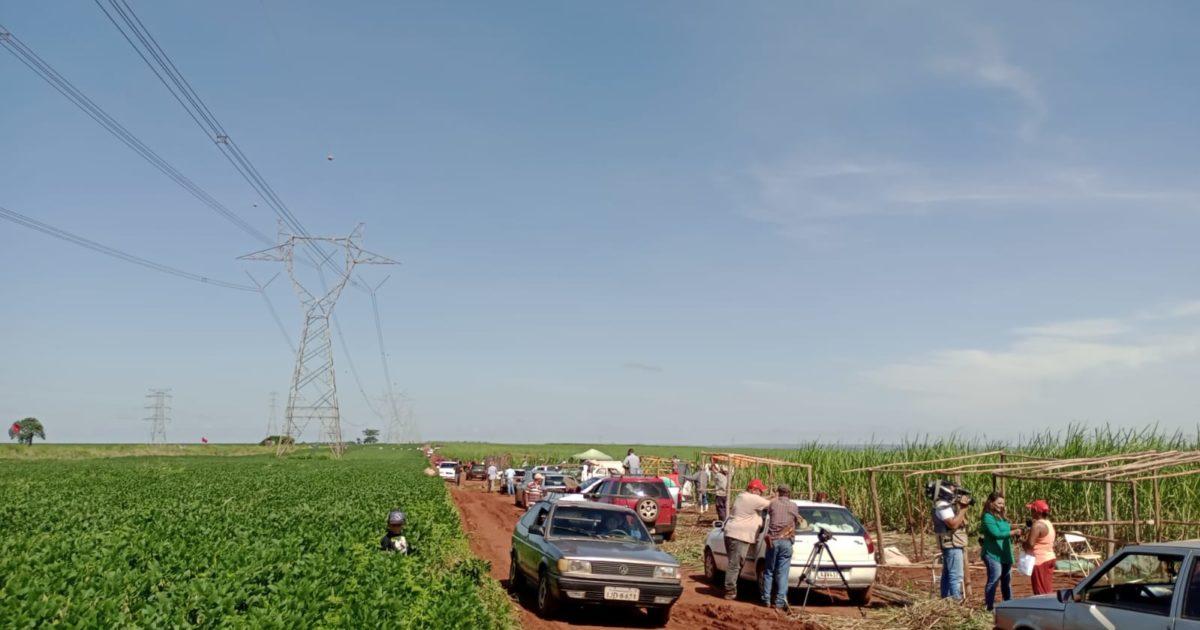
{"x": 621, "y": 594}
{"x": 827, "y": 575}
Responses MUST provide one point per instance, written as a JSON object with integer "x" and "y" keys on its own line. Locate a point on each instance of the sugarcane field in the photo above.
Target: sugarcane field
{"x": 533, "y": 315}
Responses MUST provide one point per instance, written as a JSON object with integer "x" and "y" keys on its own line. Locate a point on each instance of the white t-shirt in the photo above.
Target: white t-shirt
{"x": 509, "y": 473}
{"x": 491, "y": 472}
{"x": 633, "y": 463}
{"x": 944, "y": 510}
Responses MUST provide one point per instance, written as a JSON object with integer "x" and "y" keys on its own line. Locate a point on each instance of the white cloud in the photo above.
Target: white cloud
{"x": 988, "y": 66}
{"x": 974, "y": 380}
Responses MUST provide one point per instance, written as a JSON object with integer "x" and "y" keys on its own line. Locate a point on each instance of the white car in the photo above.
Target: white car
{"x": 448, "y": 470}
{"x": 851, "y": 546}
{"x": 1142, "y": 586}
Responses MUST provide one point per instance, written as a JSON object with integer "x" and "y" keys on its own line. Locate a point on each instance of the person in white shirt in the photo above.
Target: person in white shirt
{"x": 633, "y": 463}
{"x": 510, "y": 477}
{"x": 493, "y": 478}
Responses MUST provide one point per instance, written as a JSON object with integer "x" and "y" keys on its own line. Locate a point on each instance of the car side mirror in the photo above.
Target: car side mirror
{"x": 1065, "y": 595}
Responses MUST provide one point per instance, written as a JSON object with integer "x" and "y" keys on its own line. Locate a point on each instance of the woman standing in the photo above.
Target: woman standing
{"x": 996, "y": 542}
{"x": 1039, "y": 543}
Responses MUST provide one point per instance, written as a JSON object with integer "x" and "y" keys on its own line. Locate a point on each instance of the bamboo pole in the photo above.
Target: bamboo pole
{"x": 910, "y": 516}
{"x": 1108, "y": 515}
{"x": 921, "y": 521}
{"x": 879, "y": 555}
{"x": 1137, "y": 523}
{"x": 1158, "y": 523}
{"x": 812, "y": 493}
{"x": 1003, "y": 462}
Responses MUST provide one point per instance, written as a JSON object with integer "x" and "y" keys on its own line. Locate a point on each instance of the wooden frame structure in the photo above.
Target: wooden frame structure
{"x": 1125, "y": 469}
{"x": 734, "y": 461}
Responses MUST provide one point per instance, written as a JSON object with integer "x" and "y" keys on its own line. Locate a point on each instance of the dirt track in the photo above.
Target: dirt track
{"x": 488, "y": 520}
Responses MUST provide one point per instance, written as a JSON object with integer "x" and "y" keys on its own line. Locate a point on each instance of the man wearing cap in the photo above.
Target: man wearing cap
{"x": 741, "y": 531}
{"x": 394, "y": 539}
{"x": 1039, "y": 543}
{"x": 783, "y": 520}
{"x": 533, "y": 491}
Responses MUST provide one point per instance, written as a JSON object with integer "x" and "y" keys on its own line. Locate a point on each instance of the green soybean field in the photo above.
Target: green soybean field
{"x": 252, "y": 541}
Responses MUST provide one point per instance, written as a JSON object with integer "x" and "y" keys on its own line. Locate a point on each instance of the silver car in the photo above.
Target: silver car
{"x": 1142, "y": 586}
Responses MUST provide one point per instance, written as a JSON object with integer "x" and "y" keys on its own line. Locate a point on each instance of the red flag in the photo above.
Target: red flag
{"x": 204, "y": 440}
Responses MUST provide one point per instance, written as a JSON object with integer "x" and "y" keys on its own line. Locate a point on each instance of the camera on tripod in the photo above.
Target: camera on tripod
{"x": 824, "y": 535}
{"x": 947, "y": 491}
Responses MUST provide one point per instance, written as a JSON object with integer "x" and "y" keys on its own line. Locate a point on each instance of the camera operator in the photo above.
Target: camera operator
{"x": 950, "y": 527}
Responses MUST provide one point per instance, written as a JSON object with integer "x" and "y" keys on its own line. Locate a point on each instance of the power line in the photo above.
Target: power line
{"x": 46, "y": 72}
{"x": 34, "y": 224}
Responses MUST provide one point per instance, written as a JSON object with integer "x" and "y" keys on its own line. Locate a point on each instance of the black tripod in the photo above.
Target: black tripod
{"x": 814, "y": 564}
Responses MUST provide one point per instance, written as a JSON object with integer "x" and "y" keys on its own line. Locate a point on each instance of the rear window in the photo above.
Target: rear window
{"x": 835, "y": 520}
{"x": 448, "y": 465}
{"x": 643, "y": 489}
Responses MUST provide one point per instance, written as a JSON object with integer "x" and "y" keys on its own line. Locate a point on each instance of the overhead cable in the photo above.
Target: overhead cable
{"x": 34, "y": 224}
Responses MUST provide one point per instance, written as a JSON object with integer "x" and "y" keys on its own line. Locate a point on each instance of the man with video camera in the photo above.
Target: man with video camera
{"x": 950, "y": 504}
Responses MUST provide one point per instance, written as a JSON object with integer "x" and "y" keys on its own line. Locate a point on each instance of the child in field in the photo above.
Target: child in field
{"x": 394, "y": 539}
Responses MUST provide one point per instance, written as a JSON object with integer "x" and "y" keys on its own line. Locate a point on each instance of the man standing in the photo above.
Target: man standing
{"x": 533, "y": 490}
{"x": 510, "y": 477}
{"x": 700, "y": 487}
{"x": 720, "y": 490}
{"x": 633, "y": 463}
{"x": 950, "y": 528}
{"x": 741, "y": 531}
{"x": 784, "y": 519}
{"x": 493, "y": 478}
{"x": 675, "y": 464}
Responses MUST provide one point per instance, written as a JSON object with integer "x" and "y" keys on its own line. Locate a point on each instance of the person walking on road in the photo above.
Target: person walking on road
{"x": 633, "y": 463}
{"x": 996, "y": 543}
{"x": 784, "y": 519}
{"x": 741, "y": 531}
{"x": 721, "y": 491}
{"x": 1039, "y": 543}
{"x": 493, "y": 476}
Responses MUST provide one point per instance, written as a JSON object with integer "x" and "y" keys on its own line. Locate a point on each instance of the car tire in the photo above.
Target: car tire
{"x": 669, "y": 535}
{"x": 710, "y": 567}
{"x": 514, "y": 574}
{"x": 860, "y": 596}
{"x": 647, "y": 510}
{"x": 547, "y": 603}
{"x": 659, "y": 615}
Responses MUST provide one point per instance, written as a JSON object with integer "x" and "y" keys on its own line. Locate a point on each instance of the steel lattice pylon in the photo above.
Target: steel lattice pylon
{"x": 313, "y": 395}
{"x": 161, "y": 406}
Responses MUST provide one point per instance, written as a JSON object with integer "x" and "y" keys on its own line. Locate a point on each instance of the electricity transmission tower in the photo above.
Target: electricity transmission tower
{"x": 161, "y": 405}
{"x": 313, "y": 395}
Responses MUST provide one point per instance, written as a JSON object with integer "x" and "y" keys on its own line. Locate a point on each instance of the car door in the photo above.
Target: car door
{"x": 1189, "y": 608}
{"x": 530, "y": 552}
{"x": 1135, "y": 590}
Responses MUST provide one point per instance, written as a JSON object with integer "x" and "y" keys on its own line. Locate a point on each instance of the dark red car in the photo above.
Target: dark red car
{"x": 646, "y": 496}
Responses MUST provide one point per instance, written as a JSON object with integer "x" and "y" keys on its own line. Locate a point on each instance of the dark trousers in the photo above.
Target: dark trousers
{"x": 721, "y": 507}
{"x": 735, "y": 553}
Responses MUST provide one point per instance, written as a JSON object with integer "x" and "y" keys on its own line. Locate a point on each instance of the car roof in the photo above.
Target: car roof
{"x": 448, "y": 463}
{"x": 813, "y": 504}
{"x": 1174, "y": 544}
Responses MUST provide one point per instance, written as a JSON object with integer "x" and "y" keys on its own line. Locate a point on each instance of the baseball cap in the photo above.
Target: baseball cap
{"x": 396, "y": 517}
{"x": 1039, "y": 505}
{"x": 757, "y": 484}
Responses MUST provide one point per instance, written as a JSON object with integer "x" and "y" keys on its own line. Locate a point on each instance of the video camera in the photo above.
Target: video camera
{"x": 824, "y": 535}
{"x": 943, "y": 490}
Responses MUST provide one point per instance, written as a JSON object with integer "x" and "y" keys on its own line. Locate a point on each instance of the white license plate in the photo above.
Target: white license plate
{"x": 827, "y": 575}
{"x": 621, "y": 594}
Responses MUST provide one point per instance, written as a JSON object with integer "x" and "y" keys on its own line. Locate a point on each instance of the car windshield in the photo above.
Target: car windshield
{"x": 644, "y": 489}
{"x": 554, "y": 480}
{"x": 577, "y": 521}
{"x": 833, "y": 519}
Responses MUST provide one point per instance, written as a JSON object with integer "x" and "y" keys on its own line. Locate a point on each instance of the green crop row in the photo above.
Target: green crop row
{"x": 235, "y": 542}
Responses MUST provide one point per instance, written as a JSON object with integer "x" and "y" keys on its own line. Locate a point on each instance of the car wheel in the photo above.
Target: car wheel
{"x": 710, "y": 567}
{"x": 659, "y": 616}
{"x": 514, "y": 574}
{"x": 647, "y": 510}
{"x": 547, "y": 603}
{"x": 860, "y": 596}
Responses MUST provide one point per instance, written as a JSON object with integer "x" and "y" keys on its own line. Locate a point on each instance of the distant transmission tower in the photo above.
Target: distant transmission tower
{"x": 313, "y": 395}
{"x": 161, "y": 405}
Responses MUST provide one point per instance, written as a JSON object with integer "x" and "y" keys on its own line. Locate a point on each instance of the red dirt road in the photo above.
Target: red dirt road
{"x": 489, "y": 518}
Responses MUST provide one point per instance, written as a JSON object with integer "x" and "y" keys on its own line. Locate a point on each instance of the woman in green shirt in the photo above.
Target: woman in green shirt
{"x": 996, "y": 540}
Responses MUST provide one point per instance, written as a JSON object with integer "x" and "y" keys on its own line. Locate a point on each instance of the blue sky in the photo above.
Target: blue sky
{"x": 676, "y": 222}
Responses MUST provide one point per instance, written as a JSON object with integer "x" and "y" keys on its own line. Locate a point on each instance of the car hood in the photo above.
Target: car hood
{"x": 617, "y": 550}
{"x": 1036, "y": 602}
